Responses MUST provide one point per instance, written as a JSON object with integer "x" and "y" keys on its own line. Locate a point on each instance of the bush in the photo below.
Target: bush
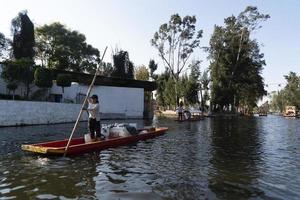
{"x": 43, "y": 78}
{"x": 10, "y": 97}
{"x": 39, "y": 95}
{"x": 63, "y": 80}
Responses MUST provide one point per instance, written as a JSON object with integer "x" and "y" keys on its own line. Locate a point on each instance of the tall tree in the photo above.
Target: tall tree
{"x": 130, "y": 70}
{"x": 193, "y": 84}
{"x": 236, "y": 62}
{"x": 23, "y": 52}
{"x": 106, "y": 69}
{"x": 23, "y": 36}
{"x": 43, "y": 78}
{"x": 11, "y": 75}
{"x": 204, "y": 81}
{"x": 292, "y": 89}
{"x": 123, "y": 67}
{"x": 153, "y": 67}
{"x": 120, "y": 59}
{"x": 169, "y": 92}
{"x": 61, "y": 48}
{"x": 289, "y": 95}
{"x": 3, "y": 46}
{"x": 12, "y": 86}
{"x": 141, "y": 73}
{"x": 63, "y": 80}
{"x": 176, "y": 42}
{"x": 278, "y": 101}
{"x": 19, "y": 71}
{"x": 161, "y": 84}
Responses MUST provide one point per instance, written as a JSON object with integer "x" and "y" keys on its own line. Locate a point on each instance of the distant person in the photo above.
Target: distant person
{"x": 94, "y": 117}
{"x": 180, "y": 111}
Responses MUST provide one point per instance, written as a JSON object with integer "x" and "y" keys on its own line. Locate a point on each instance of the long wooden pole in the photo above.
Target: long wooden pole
{"x": 84, "y": 102}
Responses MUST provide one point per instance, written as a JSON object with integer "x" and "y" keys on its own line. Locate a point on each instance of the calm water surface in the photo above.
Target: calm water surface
{"x": 222, "y": 158}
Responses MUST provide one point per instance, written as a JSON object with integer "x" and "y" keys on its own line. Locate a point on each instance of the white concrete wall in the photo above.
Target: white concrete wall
{"x": 128, "y": 102}
{"x": 13, "y": 113}
{"x": 115, "y": 102}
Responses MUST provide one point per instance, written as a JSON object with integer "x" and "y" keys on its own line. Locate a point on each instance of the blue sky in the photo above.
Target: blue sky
{"x": 130, "y": 24}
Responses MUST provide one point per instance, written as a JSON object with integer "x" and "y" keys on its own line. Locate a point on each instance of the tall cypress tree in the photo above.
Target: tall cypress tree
{"x": 23, "y": 48}
{"x": 23, "y": 36}
{"x": 123, "y": 67}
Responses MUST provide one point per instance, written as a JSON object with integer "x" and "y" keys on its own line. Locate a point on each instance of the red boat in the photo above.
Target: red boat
{"x": 78, "y": 145}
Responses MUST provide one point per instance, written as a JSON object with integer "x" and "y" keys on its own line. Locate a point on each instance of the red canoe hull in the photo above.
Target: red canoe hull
{"x": 78, "y": 146}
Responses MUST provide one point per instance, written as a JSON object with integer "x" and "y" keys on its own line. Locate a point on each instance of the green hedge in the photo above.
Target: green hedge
{"x": 10, "y": 97}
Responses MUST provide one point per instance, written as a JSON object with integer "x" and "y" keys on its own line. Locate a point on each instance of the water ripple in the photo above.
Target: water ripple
{"x": 222, "y": 158}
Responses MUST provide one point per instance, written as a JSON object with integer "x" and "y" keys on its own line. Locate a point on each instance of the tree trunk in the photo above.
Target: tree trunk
{"x": 176, "y": 94}
{"x": 176, "y": 91}
{"x": 27, "y": 90}
{"x": 202, "y": 103}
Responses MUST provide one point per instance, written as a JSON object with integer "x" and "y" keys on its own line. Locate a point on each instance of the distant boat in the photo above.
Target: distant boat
{"x": 191, "y": 117}
{"x": 290, "y": 111}
{"x": 262, "y": 114}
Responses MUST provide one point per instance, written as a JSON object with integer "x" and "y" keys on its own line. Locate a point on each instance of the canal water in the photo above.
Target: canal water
{"x": 217, "y": 158}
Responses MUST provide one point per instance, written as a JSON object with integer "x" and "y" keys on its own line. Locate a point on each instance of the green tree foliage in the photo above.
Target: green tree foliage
{"x": 4, "y": 43}
{"x": 19, "y": 71}
{"x": 153, "y": 67}
{"x": 187, "y": 89}
{"x": 289, "y": 95}
{"x": 23, "y": 36}
{"x": 193, "y": 85}
{"x": 181, "y": 85}
{"x": 43, "y": 78}
{"x": 169, "y": 93}
{"x": 130, "y": 71}
{"x": 63, "y": 80}
{"x": 191, "y": 94}
{"x": 12, "y": 86}
{"x": 123, "y": 67}
{"x": 161, "y": 85}
{"x": 176, "y": 42}
{"x": 61, "y": 48}
{"x": 236, "y": 62}
{"x": 121, "y": 60}
{"x": 10, "y": 72}
{"x": 204, "y": 87}
{"x": 106, "y": 69}
{"x": 292, "y": 89}
{"x": 141, "y": 73}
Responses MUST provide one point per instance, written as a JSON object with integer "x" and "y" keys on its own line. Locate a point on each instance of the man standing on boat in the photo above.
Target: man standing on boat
{"x": 180, "y": 111}
{"x": 94, "y": 117}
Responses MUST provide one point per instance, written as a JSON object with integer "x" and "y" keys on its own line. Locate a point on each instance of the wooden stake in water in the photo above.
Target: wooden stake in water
{"x": 84, "y": 102}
